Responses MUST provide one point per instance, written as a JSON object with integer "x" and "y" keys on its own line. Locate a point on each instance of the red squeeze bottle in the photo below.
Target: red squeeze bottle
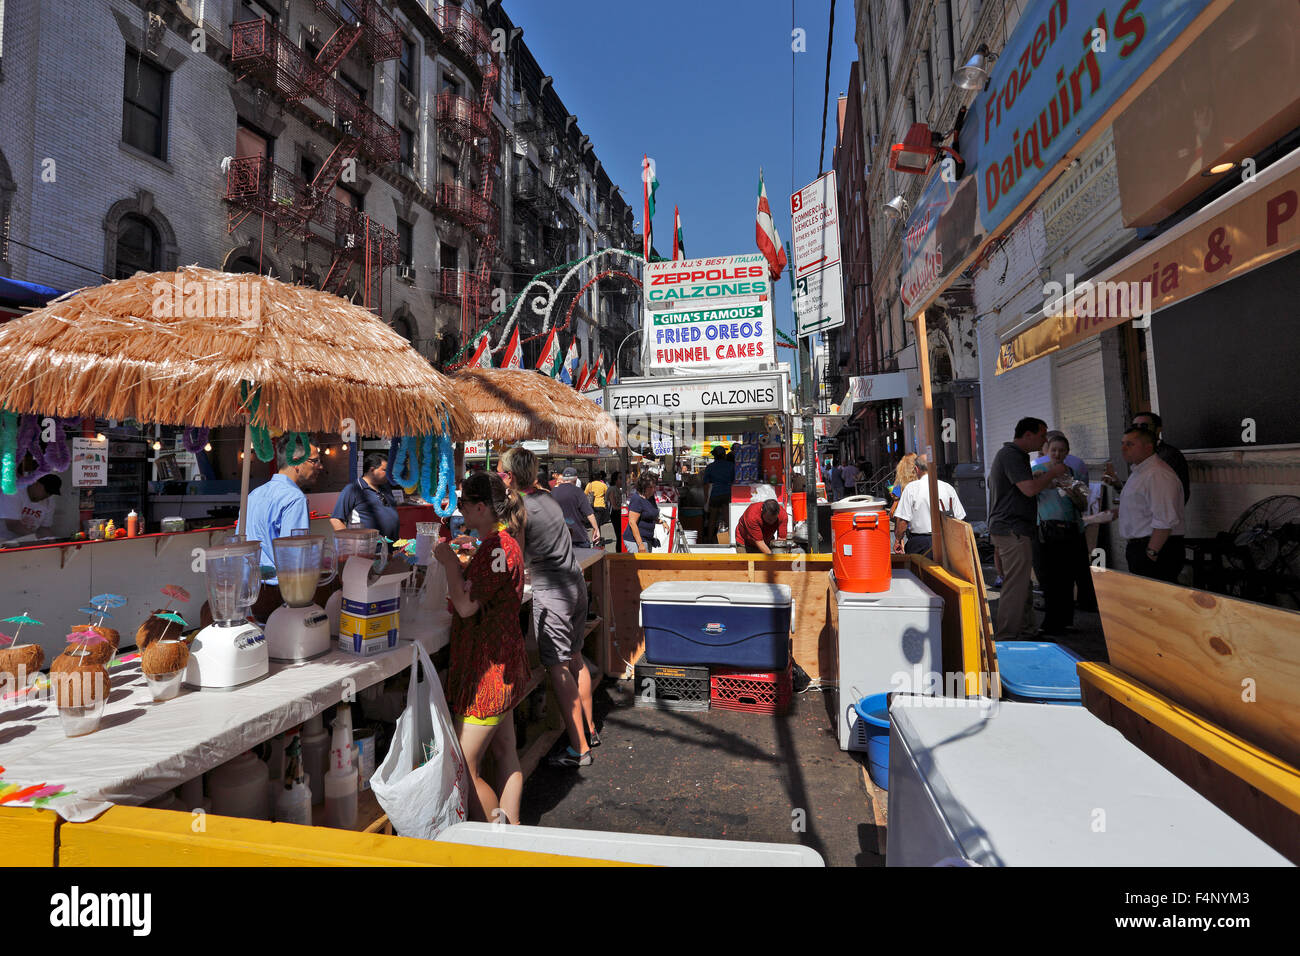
{"x": 132, "y": 524}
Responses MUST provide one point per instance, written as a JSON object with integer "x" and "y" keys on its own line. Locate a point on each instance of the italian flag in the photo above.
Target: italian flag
{"x": 600, "y": 372}
{"x": 514, "y": 357}
{"x": 769, "y": 242}
{"x": 482, "y": 355}
{"x": 679, "y": 241}
{"x": 582, "y": 377}
{"x": 550, "y": 360}
{"x": 649, "y": 183}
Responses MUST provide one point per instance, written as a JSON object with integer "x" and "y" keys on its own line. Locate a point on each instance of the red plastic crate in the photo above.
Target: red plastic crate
{"x": 751, "y": 693}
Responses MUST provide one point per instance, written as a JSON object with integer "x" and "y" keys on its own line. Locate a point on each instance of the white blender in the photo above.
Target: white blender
{"x": 298, "y": 630}
{"x": 231, "y": 651}
{"x": 360, "y": 542}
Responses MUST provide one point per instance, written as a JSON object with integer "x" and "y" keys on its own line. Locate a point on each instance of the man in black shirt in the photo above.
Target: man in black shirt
{"x": 1013, "y": 521}
{"x": 367, "y": 501}
{"x": 578, "y": 513}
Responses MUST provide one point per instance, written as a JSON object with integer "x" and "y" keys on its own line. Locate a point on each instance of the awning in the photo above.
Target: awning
{"x": 17, "y": 292}
{"x": 1247, "y": 227}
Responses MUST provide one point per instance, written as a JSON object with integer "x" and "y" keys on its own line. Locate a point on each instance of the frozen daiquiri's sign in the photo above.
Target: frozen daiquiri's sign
{"x": 1066, "y": 65}
{"x": 709, "y": 314}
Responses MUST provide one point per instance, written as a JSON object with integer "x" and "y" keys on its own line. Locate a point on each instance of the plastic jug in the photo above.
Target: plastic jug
{"x": 315, "y": 756}
{"x": 238, "y": 789}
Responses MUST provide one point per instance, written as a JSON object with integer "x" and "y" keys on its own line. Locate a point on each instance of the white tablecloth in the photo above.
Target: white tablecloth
{"x": 143, "y": 749}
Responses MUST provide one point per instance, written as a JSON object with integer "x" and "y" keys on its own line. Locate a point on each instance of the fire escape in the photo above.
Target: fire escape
{"x": 310, "y": 211}
{"x": 468, "y": 123}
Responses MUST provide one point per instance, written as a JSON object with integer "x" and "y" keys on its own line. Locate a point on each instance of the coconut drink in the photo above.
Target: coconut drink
{"x": 164, "y": 660}
{"x": 80, "y": 687}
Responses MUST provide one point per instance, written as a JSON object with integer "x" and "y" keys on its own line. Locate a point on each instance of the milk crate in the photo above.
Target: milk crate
{"x": 761, "y": 693}
{"x": 671, "y": 686}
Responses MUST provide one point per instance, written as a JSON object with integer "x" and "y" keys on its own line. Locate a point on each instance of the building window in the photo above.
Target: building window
{"x": 250, "y": 142}
{"x": 359, "y": 91}
{"x": 348, "y": 198}
{"x": 405, "y": 241}
{"x": 138, "y": 247}
{"x": 406, "y": 65}
{"x": 448, "y": 172}
{"x": 144, "y": 106}
{"x": 448, "y": 256}
{"x": 450, "y": 84}
{"x": 252, "y": 10}
{"x": 407, "y": 145}
{"x": 307, "y": 168}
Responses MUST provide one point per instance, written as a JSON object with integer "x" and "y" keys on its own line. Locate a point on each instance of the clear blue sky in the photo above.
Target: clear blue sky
{"x": 705, "y": 89}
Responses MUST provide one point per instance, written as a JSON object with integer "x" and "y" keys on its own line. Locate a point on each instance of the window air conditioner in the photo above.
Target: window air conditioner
{"x": 406, "y": 272}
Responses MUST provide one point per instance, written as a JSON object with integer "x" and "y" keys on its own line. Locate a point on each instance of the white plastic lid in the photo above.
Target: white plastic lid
{"x": 859, "y": 503}
{"x": 717, "y": 592}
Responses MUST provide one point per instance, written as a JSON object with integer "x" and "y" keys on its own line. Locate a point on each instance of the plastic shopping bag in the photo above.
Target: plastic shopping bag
{"x": 423, "y": 797}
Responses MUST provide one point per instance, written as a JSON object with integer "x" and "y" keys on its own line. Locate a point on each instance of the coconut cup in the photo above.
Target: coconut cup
{"x": 154, "y": 629}
{"x": 21, "y": 663}
{"x": 80, "y": 684}
{"x": 164, "y": 657}
{"x": 82, "y": 653}
{"x": 103, "y": 630}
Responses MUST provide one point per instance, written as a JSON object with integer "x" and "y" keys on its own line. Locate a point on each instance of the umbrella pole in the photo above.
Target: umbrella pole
{"x": 243, "y": 481}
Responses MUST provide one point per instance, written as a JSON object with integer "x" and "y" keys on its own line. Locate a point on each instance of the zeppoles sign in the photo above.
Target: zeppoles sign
{"x": 758, "y": 394}
{"x": 699, "y": 280}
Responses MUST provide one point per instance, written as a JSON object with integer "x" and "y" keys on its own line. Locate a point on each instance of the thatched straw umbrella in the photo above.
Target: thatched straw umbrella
{"x": 173, "y": 348}
{"x": 515, "y": 404}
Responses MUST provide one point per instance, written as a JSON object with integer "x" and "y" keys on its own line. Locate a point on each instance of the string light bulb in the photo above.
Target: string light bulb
{"x": 157, "y": 446}
{"x": 208, "y": 447}
{"x": 99, "y": 437}
{"x": 345, "y": 446}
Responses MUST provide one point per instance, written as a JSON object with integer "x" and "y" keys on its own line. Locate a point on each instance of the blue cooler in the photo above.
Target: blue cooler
{"x": 1039, "y": 672}
{"x": 728, "y": 623}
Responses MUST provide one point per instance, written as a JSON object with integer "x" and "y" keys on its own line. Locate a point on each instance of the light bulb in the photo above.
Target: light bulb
{"x": 345, "y": 446}
{"x": 157, "y": 446}
{"x": 329, "y": 451}
{"x": 208, "y": 447}
{"x": 99, "y": 437}
{"x": 241, "y": 456}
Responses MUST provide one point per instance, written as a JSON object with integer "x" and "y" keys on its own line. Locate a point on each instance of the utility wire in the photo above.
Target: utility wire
{"x": 19, "y": 242}
{"x": 826, "y": 92}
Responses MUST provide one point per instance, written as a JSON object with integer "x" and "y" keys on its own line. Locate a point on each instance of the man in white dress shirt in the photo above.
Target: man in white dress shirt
{"x": 912, "y": 516}
{"x": 1151, "y": 510}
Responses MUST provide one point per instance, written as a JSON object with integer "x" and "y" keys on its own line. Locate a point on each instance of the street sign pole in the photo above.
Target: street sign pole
{"x": 807, "y": 405}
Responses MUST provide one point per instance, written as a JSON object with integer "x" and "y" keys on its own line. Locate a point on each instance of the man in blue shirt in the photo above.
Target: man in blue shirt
{"x": 367, "y": 502}
{"x": 279, "y": 506}
{"x": 717, "y": 485}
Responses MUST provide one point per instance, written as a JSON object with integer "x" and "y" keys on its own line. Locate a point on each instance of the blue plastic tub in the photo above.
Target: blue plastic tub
{"x": 873, "y": 711}
{"x": 1039, "y": 672}
{"x": 726, "y": 623}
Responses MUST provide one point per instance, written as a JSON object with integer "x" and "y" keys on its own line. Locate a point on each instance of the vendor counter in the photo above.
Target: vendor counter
{"x": 50, "y": 581}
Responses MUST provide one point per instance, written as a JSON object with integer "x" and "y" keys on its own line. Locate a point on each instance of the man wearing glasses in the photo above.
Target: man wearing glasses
{"x": 280, "y": 506}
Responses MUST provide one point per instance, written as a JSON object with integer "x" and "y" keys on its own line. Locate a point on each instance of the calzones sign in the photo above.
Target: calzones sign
{"x": 689, "y": 283}
{"x": 818, "y": 286}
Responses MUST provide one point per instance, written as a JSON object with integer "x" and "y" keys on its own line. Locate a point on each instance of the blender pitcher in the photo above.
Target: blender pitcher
{"x": 299, "y": 630}
{"x": 232, "y": 650}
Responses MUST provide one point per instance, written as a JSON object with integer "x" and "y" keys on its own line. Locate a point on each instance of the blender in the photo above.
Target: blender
{"x": 360, "y": 542}
{"x": 231, "y": 651}
{"x": 298, "y": 630}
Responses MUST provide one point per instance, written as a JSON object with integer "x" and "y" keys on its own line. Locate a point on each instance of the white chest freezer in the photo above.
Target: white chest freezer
{"x": 1024, "y": 784}
{"x": 888, "y": 641}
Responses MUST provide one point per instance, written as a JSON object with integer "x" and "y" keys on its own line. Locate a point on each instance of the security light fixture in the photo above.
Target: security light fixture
{"x": 896, "y": 209}
{"x": 919, "y": 150}
{"x": 975, "y": 74}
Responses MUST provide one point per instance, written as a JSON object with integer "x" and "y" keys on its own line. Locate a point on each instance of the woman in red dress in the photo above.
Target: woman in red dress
{"x": 489, "y": 666}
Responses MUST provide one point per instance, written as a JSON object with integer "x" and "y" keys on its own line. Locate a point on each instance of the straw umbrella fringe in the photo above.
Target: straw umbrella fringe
{"x": 128, "y": 349}
{"x": 515, "y": 404}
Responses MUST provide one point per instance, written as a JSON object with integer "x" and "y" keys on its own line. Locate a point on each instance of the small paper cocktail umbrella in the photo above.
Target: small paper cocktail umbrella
{"x": 90, "y": 612}
{"x": 176, "y": 593}
{"x": 174, "y": 618}
{"x": 102, "y": 602}
{"x": 20, "y": 620}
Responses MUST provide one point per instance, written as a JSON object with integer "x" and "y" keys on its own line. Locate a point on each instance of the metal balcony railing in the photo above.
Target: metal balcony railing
{"x": 258, "y": 49}
{"x": 463, "y": 205}
{"x": 380, "y": 39}
{"x": 464, "y": 31}
{"x": 256, "y": 184}
{"x": 460, "y": 116}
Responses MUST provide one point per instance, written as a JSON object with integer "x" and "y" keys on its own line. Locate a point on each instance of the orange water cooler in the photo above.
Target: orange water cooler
{"x": 860, "y": 541}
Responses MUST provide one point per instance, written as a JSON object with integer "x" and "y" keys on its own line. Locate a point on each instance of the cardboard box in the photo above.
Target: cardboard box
{"x": 369, "y": 620}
